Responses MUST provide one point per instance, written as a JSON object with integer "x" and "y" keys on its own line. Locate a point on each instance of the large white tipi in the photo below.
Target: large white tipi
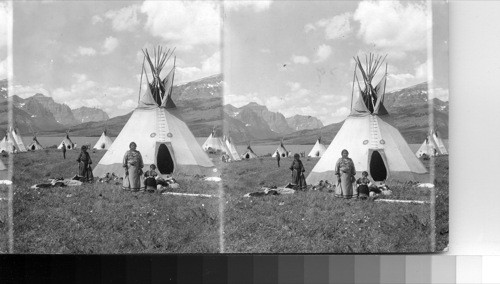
{"x": 19, "y": 140}
{"x": 8, "y": 143}
{"x": 160, "y": 134}
{"x": 433, "y": 146}
{"x": 67, "y": 143}
{"x": 281, "y": 151}
{"x": 317, "y": 150}
{"x": 233, "y": 154}
{"x": 374, "y": 145}
{"x": 104, "y": 142}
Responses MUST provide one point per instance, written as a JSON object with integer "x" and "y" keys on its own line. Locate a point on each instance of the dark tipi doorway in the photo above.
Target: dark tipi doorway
{"x": 378, "y": 170}
{"x": 164, "y": 160}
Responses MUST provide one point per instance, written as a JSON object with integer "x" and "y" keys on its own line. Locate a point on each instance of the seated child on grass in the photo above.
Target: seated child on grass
{"x": 150, "y": 178}
{"x": 363, "y": 185}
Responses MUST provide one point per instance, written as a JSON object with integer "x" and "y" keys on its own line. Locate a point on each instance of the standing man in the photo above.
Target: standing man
{"x": 278, "y": 158}
{"x": 64, "y": 150}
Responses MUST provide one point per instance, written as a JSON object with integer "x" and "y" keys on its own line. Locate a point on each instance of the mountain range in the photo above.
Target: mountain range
{"x": 201, "y": 106}
{"x": 40, "y": 113}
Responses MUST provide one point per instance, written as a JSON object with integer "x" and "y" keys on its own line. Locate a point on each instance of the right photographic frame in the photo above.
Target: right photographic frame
{"x": 336, "y": 117}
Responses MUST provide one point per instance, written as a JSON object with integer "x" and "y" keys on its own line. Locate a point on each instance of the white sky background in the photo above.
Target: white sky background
{"x": 4, "y": 13}
{"x": 86, "y": 53}
{"x": 296, "y": 56}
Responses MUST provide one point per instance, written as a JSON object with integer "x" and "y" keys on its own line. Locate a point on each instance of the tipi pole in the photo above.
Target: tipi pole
{"x": 353, "y": 79}
{"x": 140, "y": 84}
{"x": 385, "y": 77}
{"x": 173, "y": 75}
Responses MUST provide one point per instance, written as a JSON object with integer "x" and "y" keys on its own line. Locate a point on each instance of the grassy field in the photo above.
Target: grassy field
{"x": 102, "y": 218}
{"x": 317, "y": 222}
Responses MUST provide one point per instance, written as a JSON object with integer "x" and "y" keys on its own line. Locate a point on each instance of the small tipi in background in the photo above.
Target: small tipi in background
{"x": 213, "y": 143}
{"x": 67, "y": 143}
{"x": 158, "y": 130}
{"x": 374, "y": 145}
{"x": 281, "y": 151}
{"x": 317, "y": 150}
{"x": 433, "y": 145}
{"x": 19, "y": 140}
{"x": 249, "y": 154}
{"x": 233, "y": 153}
{"x": 35, "y": 145}
{"x": 104, "y": 142}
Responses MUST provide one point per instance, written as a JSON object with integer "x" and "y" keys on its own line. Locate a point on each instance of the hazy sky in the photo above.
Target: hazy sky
{"x": 89, "y": 53}
{"x": 293, "y": 56}
{"x": 296, "y": 56}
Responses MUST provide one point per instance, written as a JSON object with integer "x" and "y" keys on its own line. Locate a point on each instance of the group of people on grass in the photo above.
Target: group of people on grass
{"x": 133, "y": 164}
{"x": 346, "y": 180}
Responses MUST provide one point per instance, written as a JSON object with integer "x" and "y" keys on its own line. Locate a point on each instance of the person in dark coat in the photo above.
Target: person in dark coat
{"x": 64, "y": 150}
{"x": 298, "y": 178}
{"x": 278, "y": 158}
{"x": 84, "y": 163}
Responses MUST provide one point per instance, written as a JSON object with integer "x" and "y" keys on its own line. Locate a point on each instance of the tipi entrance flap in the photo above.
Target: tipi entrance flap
{"x": 164, "y": 157}
{"x": 377, "y": 165}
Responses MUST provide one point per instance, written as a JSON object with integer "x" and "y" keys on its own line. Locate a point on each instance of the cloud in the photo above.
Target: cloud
{"x": 324, "y": 51}
{"x": 86, "y": 51}
{"x": 393, "y": 25}
{"x": 403, "y": 80}
{"x": 309, "y": 27}
{"x": 3, "y": 69}
{"x": 80, "y": 78}
{"x": 241, "y": 100}
{"x": 294, "y": 86}
{"x": 88, "y": 93}
{"x": 441, "y": 93}
{"x": 336, "y": 27}
{"x": 257, "y": 5}
{"x": 110, "y": 44}
{"x": 265, "y": 50}
{"x": 28, "y": 91}
{"x": 341, "y": 112}
{"x": 5, "y": 14}
{"x": 299, "y": 59}
{"x": 125, "y": 19}
{"x": 185, "y": 24}
{"x": 128, "y": 104}
{"x": 421, "y": 71}
{"x": 96, "y": 19}
{"x": 209, "y": 66}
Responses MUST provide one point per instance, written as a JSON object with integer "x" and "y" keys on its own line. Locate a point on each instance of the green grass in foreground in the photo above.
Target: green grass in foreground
{"x": 315, "y": 221}
{"x": 102, "y": 218}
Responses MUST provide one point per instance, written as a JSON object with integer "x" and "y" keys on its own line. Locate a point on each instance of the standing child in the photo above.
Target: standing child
{"x": 150, "y": 178}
